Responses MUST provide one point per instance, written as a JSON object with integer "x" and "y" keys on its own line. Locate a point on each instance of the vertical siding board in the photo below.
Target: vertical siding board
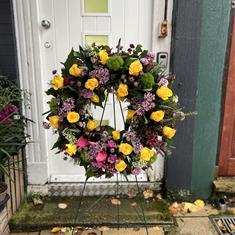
{"x": 185, "y": 49}
{"x": 214, "y": 37}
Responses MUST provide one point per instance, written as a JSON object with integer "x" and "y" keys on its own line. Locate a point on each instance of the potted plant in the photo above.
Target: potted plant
{"x": 12, "y": 129}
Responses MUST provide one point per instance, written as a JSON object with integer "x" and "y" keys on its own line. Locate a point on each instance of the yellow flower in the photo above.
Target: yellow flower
{"x": 95, "y": 98}
{"x": 103, "y": 56}
{"x": 73, "y": 117}
{"x": 120, "y": 166}
{"x": 116, "y": 135}
{"x": 57, "y": 82}
{"x": 157, "y": 116}
{"x": 91, "y": 125}
{"x": 75, "y": 70}
{"x": 122, "y": 90}
{"x": 71, "y": 149}
{"x": 91, "y": 84}
{"x": 54, "y": 121}
{"x": 146, "y": 154}
{"x": 125, "y": 148}
{"x": 130, "y": 114}
{"x": 135, "y": 68}
{"x": 169, "y": 132}
{"x": 164, "y": 92}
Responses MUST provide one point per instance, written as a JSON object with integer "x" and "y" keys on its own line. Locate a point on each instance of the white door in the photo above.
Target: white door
{"x": 74, "y": 22}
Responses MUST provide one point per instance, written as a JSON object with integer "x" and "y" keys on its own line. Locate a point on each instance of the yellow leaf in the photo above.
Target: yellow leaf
{"x": 56, "y": 230}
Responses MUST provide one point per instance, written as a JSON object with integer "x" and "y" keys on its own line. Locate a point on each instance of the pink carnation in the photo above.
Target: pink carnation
{"x": 101, "y": 156}
{"x": 82, "y": 142}
{"x": 111, "y": 144}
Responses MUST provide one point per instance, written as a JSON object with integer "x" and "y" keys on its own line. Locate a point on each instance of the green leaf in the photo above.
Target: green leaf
{"x": 70, "y": 60}
{"x": 51, "y": 91}
{"x": 59, "y": 143}
{"x": 153, "y": 159}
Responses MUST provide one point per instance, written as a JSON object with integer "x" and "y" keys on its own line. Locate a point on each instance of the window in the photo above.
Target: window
{"x": 98, "y": 39}
{"x": 96, "y": 6}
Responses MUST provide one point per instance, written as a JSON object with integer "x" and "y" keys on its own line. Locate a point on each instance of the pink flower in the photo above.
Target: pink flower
{"x": 111, "y": 144}
{"x": 82, "y": 142}
{"x": 101, "y": 156}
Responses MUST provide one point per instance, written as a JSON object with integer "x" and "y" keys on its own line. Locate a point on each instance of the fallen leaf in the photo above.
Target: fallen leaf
{"x": 136, "y": 229}
{"x": 62, "y": 205}
{"x": 37, "y": 201}
{"x": 103, "y": 229}
{"x": 220, "y": 224}
{"x": 115, "y": 201}
{"x": 232, "y": 210}
{"x": 133, "y": 204}
{"x": 159, "y": 196}
{"x": 56, "y": 230}
{"x": 189, "y": 207}
{"x": 92, "y": 233}
{"x": 131, "y": 193}
{"x": 148, "y": 194}
{"x": 157, "y": 229}
{"x": 233, "y": 227}
{"x": 199, "y": 203}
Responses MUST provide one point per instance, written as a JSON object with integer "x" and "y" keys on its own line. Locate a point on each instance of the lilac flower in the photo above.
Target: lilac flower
{"x": 147, "y": 104}
{"x": 112, "y": 158}
{"x": 163, "y": 82}
{"x": 87, "y": 94}
{"x": 98, "y": 164}
{"x": 144, "y": 61}
{"x": 95, "y": 148}
{"x": 136, "y": 171}
{"x": 151, "y": 55}
{"x": 101, "y": 73}
{"x": 135, "y": 140}
{"x": 67, "y": 106}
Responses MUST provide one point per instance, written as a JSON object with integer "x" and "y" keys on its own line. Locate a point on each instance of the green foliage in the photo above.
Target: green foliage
{"x": 115, "y": 63}
{"x": 147, "y": 81}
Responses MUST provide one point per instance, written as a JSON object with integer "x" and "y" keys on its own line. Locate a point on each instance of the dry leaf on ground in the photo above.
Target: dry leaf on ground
{"x": 133, "y": 204}
{"x": 103, "y": 229}
{"x": 199, "y": 203}
{"x": 115, "y": 201}
{"x": 132, "y": 193}
{"x": 62, "y": 205}
{"x": 148, "y": 194}
{"x": 56, "y": 230}
{"x": 37, "y": 201}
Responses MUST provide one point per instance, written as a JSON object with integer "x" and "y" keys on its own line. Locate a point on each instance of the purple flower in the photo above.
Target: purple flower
{"x": 101, "y": 73}
{"x": 144, "y": 61}
{"x": 136, "y": 171}
{"x": 111, "y": 144}
{"x": 87, "y": 94}
{"x": 46, "y": 125}
{"x": 131, "y": 79}
{"x": 98, "y": 164}
{"x": 67, "y": 106}
{"x": 112, "y": 158}
{"x": 163, "y": 82}
{"x": 135, "y": 140}
{"x": 151, "y": 55}
{"x": 147, "y": 104}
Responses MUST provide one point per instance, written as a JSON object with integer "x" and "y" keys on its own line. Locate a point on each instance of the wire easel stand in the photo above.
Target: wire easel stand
{"x": 80, "y": 199}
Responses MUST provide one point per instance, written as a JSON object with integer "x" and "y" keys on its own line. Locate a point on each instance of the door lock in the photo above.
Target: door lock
{"x": 45, "y": 24}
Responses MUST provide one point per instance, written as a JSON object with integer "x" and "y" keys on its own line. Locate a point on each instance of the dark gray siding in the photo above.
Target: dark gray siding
{"x": 185, "y": 56}
{"x": 7, "y": 46}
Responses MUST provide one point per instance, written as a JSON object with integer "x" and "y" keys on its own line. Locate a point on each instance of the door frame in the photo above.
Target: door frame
{"x": 226, "y": 161}
{"x": 30, "y": 67}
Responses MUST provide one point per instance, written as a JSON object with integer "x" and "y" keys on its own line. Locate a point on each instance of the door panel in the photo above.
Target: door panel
{"x": 227, "y": 148}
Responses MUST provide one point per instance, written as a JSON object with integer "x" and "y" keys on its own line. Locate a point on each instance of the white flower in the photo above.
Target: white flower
{"x": 175, "y": 99}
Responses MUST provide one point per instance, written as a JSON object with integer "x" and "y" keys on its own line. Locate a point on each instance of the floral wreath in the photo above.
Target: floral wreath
{"x": 88, "y": 76}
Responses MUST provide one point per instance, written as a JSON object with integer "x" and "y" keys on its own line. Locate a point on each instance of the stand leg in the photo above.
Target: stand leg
{"x": 142, "y": 207}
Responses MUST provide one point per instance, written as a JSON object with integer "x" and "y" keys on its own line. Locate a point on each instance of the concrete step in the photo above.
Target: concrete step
{"x": 94, "y": 212}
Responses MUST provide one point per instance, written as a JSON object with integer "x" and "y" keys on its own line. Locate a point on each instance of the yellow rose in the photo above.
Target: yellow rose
{"x": 130, "y": 113}
{"x": 95, "y": 98}
{"x": 103, "y": 56}
{"x": 169, "y": 132}
{"x": 71, "y": 149}
{"x": 91, "y": 84}
{"x": 57, "y": 82}
{"x": 54, "y": 121}
{"x": 75, "y": 70}
{"x": 91, "y": 125}
{"x": 120, "y": 166}
{"x": 122, "y": 90}
{"x": 135, "y": 68}
{"x": 116, "y": 135}
{"x": 164, "y": 92}
{"x": 125, "y": 148}
{"x": 146, "y": 154}
{"x": 73, "y": 117}
{"x": 157, "y": 116}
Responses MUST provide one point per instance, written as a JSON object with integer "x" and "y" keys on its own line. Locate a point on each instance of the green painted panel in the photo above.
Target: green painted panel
{"x": 98, "y": 39}
{"x": 214, "y": 37}
{"x": 96, "y": 6}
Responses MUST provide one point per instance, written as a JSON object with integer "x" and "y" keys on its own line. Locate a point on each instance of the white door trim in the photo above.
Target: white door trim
{"x": 30, "y": 76}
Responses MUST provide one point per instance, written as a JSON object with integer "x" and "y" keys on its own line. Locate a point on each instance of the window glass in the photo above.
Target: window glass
{"x": 98, "y": 39}
{"x": 96, "y": 6}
